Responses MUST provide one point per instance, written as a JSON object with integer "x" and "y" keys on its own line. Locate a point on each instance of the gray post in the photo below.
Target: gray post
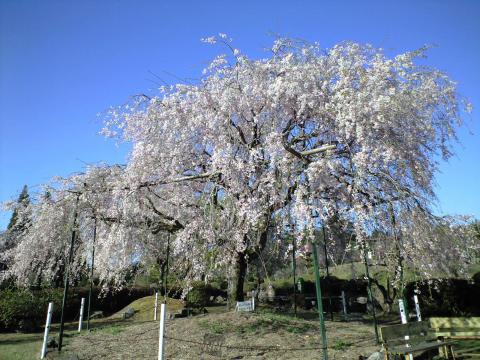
{"x": 161, "y": 334}
{"x": 47, "y": 329}
{"x": 344, "y": 305}
{"x": 417, "y": 308}
{"x": 80, "y": 319}
{"x": 91, "y": 273}
{"x": 403, "y": 317}
{"x": 66, "y": 284}
{"x": 319, "y": 302}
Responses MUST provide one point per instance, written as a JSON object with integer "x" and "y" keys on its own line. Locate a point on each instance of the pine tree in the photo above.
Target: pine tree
{"x": 19, "y": 223}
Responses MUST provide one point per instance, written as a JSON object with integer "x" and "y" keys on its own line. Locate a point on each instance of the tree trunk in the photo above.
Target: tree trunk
{"x": 238, "y": 278}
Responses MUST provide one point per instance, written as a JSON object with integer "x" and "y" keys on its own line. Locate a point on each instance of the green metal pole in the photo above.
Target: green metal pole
{"x": 326, "y": 268}
{"x": 319, "y": 302}
{"x": 65, "y": 286}
{"x": 294, "y": 265}
{"x": 166, "y": 270}
{"x": 370, "y": 295}
{"x": 91, "y": 274}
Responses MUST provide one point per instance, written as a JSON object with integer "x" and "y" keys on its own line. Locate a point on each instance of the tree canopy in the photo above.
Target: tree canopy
{"x": 345, "y": 133}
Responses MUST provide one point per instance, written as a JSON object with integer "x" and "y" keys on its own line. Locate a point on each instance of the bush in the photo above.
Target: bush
{"x": 445, "y": 297}
{"x": 25, "y": 310}
{"x": 331, "y": 287}
{"x": 200, "y": 294}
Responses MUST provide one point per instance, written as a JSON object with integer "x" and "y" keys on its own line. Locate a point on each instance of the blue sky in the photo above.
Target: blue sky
{"x": 63, "y": 62}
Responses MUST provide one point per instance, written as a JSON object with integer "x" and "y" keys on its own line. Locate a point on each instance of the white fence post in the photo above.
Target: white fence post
{"x": 161, "y": 335}
{"x": 47, "y": 328}
{"x": 155, "y": 307}
{"x": 80, "y": 320}
{"x": 344, "y": 304}
{"x": 253, "y": 303}
{"x": 417, "y": 308}
{"x": 403, "y": 316}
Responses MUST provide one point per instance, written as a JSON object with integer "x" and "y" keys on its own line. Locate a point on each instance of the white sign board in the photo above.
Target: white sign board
{"x": 244, "y": 306}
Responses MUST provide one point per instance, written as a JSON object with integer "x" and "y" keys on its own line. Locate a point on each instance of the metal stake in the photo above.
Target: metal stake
{"x": 370, "y": 296}
{"x": 91, "y": 272}
{"x": 166, "y": 270}
{"x": 294, "y": 266}
{"x": 66, "y": 284}
{"x": 326, "y": 268}
{"x": 319, "y": 302}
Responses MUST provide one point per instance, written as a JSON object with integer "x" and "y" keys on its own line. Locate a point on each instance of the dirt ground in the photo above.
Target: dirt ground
{"x": 225, "y": 336}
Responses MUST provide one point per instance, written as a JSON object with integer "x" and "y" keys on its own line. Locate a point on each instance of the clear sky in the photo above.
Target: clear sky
{"x": 63, "y": 62}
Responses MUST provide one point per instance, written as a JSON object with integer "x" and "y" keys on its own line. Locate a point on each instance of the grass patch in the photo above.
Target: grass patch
{"x": 257, "y": 323}
{"x": 213, "y": 326}
{"x": 144, "y": 308}
{"x": 20, "y": 346}
{"x": 341, "y": 345}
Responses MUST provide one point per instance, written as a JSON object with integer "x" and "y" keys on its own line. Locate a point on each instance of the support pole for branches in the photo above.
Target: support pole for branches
{"x": 65, "y": 286}
{"x": 294, "y": 269}
{"x": 91, "y": 273}
{"x": 319, "y": 302}
{"x": 326, "y": 268}
{"x": 294, "y": 263}
{"x": 370, "y": 295}
{"x": 165, "y": 284}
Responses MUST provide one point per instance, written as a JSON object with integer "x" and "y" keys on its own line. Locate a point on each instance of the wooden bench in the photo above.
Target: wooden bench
{"x": 459, "y": 329}
{"x": 420, "y": 340}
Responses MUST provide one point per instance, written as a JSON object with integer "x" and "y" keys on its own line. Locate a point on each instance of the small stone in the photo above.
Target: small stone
{"x": 375, "y": 356}
{"x": 128, "y": 313}
{"x": 96, "y": 315}
{"x": 52, "y": 343}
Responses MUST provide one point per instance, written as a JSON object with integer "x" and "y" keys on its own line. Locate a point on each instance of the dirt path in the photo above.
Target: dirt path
{"x": 226, "y": 336}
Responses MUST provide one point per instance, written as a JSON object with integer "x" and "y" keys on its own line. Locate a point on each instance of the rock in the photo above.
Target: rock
{"x": 262, "y": 295}
{"x": 128, "y": 313}
{"x": 376, "y": 356}
{"x": 362, "y": 300}
{"x": 52, "y": 343}
{"x": 270, "y": 292}
{"x": 96, "y": 315}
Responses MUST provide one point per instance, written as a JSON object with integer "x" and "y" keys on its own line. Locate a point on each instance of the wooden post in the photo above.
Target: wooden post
{"x": 417, "y": 308}
{"x": 403, "y": 316}
{"x": 80, "y": 320}
{"x": 47, "y": 328}
{"x": 155, "y": 307}
{"x": 253, "y": 302}
{"x": 161, "y": 341}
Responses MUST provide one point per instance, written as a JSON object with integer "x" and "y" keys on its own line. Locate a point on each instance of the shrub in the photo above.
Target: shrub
{"x": 200, "y": 294}
{"x": 445, "y": 297}
{"x": 26, "y": 310}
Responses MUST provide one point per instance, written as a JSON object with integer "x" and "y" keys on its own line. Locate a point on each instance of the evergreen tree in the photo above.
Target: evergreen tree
{"x": 19, "y": 223}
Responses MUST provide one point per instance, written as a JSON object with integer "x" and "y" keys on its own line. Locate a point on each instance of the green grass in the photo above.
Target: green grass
{"x": 256, "y": 323}
{"x": 20, "y": 346}
{"x": 341, "y": 345}
{"x": 144, "y": 308}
